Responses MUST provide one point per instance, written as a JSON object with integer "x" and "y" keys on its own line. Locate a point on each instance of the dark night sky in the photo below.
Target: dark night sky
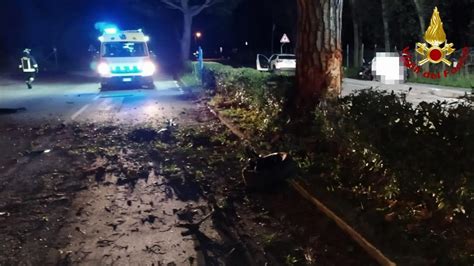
{"x": 69, "y": 25}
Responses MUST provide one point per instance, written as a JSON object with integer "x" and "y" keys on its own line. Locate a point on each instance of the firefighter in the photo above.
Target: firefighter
{"x": 29, "y": 66}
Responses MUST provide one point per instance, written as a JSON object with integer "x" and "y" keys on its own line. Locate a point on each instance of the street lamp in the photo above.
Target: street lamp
{"x": 197, "y": 36}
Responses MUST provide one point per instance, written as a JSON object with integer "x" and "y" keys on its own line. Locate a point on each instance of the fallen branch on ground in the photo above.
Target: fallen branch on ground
{"x": 371, "y": 250}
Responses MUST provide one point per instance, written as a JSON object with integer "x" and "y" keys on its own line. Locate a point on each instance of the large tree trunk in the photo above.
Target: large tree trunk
{"x": 186, "y": 38}
{"x": 386, "y": 31}
{"x": 355, "y": 25}
{"x": 419, "y": 11}
{"x": 318, "y": 52}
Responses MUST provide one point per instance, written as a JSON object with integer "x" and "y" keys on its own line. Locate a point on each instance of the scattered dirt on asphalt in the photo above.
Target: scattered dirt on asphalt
{"x": 82, "y": 194}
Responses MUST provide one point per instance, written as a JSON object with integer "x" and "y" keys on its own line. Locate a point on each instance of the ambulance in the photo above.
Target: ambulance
{"x": 124, "y": 59}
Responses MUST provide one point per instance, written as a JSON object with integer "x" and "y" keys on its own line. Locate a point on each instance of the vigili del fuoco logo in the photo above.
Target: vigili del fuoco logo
{"x": 435, "y": 50}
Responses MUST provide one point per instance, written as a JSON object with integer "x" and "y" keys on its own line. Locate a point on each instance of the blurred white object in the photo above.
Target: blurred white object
{"x": 388, "y": 68}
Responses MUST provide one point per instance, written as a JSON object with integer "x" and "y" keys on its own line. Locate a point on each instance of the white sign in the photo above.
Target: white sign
{"x": 285, "y": 39}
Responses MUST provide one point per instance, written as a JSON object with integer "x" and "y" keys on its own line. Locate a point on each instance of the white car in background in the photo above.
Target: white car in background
{"x": 277, "y": 62}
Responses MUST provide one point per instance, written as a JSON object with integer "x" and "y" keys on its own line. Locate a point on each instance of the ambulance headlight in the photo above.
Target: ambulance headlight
{"x": 148, "y": 68}
{"x": 103, "y": 69}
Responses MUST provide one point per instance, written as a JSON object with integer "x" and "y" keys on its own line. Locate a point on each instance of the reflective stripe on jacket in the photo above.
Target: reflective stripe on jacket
{"x": 28, "y": 64}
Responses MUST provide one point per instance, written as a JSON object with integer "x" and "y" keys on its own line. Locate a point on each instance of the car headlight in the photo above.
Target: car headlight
{"x": 103, "y": 69}
{"x": 148, "y": 68}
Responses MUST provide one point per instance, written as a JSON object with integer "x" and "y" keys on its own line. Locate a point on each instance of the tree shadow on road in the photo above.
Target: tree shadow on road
{"x": 6, "y": 111}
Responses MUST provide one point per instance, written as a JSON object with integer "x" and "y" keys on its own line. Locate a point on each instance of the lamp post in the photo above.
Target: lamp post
{"x": 197, "y": 37}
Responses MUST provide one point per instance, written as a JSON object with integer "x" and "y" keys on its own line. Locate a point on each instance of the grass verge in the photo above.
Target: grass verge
{"x": 461, "y": 81}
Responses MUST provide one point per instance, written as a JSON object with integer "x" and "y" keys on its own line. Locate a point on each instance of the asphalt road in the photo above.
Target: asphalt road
{"x": 103, "y": 223}
{"x": 78, "y": 98}
{"x": 417, "y": 94}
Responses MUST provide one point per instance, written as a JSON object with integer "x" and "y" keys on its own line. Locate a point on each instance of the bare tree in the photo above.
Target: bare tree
{"x": 420, "y": 12}
{"x": 318, "y": 52}
{"x": 386, "y": 30}
{"x": 189, "y": 12}
{"x": 355, "y": 26}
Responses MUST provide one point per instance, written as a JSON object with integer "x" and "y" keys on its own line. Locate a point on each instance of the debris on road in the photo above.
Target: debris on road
{"x": 149, "y": 219}
{"x": 143, "y": 135}
{"x": 115, "y": 190}
{"x": 268, "y": 172}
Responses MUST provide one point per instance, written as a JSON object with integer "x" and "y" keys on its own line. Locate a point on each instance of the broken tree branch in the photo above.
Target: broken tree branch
{"x": 366, "y": 245}
{"x": 358, "y": 238}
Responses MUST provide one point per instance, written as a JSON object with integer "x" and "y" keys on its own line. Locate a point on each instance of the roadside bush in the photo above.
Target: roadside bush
{"x": 190, "y": 76}
{"x": 407, "y": 167}
{"x": 427, "y": 149}
{"x": 413, "y": 165}
{"x": 255, "y": 96}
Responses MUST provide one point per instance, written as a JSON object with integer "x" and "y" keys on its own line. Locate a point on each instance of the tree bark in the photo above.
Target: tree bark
{"x": 318, "y": 52}
{"x": 189, "y": 11}
{"x": 386, "y": 30}
{"x": 355, "y": 25}
{"x": 419, "y": 11}
{"x": 186, "y": 38}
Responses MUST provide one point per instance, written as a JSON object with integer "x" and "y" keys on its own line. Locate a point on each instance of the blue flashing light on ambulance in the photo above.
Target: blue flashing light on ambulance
{"x": 125, "y": 59}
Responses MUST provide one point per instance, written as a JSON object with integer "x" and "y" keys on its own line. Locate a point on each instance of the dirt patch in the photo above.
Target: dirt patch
{"x": 36, "y": 192}
{"x": 143, "y": 135}
{"x": 109, "y": 195}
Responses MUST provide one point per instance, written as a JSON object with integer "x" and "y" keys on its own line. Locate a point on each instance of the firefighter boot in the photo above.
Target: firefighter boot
{"x": 29, "y": 83}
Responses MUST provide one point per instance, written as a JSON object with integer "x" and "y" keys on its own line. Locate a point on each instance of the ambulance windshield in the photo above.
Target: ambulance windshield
{"x": 124, "y": 49}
